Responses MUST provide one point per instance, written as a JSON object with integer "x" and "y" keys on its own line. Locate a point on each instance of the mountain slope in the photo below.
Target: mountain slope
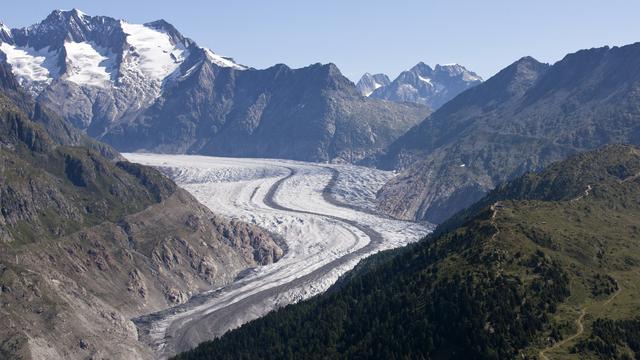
{"x": 94, "y": 70}
{"x": 525, "y": 268}
{"x": 61, "y": 131}
{"x": 432, "y": 87}
{"x": 525, "y": 117}
{"x": 313, "y": 113}
{"x": 86, "y": 243}
{"x": 123, "y": 82}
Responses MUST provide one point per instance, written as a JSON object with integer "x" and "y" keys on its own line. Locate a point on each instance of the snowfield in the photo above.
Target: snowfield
{"x": 152, "y": 52}
{"x": 34, "y": 69}
{"x": 89, "y": 65}
{"x": 324, "y": 213}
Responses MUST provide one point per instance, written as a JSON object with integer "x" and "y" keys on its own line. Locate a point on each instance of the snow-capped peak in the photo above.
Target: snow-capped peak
{"x": 455, "y": 69}
{"x": 222, "y": 61}
{"x": 370, "y": 83}
{"x": 433, "y": 87}
{"x": 78, "y": 13}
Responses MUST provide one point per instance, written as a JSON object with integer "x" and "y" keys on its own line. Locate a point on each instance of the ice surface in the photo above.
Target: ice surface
{"x": 151, "y": 51}
{"x": 318, "y": 231}
{"x": 32, "y": 68}
{"x": 88, "y": 65}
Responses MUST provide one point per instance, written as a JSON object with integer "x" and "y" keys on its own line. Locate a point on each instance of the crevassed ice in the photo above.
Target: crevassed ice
{"x": 152, "y": 53}
{"x": 88, "y": 64}
{"x": 30, "y": 65}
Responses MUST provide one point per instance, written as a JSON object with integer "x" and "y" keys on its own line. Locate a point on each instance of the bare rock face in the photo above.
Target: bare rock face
{"x": 88, "y": 243}
{"x": 522, "y": 119}
{"x": 258, "y": 246}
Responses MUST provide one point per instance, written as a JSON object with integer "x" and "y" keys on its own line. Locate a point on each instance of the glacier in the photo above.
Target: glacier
{"x": 323, "y": 212}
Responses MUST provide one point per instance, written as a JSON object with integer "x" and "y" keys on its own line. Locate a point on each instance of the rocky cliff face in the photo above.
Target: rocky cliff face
{"x": 525, "y": 117}
{"x": 86, "y": 243}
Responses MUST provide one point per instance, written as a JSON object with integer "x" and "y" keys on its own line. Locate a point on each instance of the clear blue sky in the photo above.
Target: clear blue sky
{"x": 375, "y": 36}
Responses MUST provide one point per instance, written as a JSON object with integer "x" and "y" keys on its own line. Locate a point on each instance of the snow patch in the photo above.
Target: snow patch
{"x": 376, "y": 86}
{"x": 151, "y": 51}
{"x": 34, "y": 69}
{"x": 424, "y": 79}
{"x": 88, "y": 65}
{"x": 222, "y": 61}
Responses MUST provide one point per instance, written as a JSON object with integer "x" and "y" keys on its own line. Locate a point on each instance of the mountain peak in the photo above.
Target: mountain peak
{"x": 368, "y": 83}
{"x": 425, "y": 85}
{"x": 421, "y": 68}
{"x": 518, "y": 77}
{"x": 64, "y": 16}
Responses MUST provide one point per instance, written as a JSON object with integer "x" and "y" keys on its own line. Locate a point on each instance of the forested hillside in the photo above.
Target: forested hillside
{"x": 528, "y": 272}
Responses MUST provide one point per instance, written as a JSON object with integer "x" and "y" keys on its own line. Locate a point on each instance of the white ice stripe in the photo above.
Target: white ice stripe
{"x": 152, "y": 52}
{"x": 5, "y": 29}
{"x": 89, "y": 65}
{"x": 427, "y": 80}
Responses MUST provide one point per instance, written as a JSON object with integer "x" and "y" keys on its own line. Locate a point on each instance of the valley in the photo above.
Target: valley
{"x": 323, "y": 213}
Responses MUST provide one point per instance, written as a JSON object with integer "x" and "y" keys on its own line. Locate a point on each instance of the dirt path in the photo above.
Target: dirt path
{"x": 579, "y": 325}
{"x": 579, "y": 332}
{"x": 585, "y": 193}
{"x": 494, "y": 208}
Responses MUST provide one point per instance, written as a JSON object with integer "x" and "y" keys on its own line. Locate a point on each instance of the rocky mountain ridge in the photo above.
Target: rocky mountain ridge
{"x": 130, "y": 84}
{"x": 525, "y": 117}
{"x": 424, "y": 85}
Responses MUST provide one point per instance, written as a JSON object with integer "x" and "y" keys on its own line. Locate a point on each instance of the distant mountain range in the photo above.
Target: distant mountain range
{"x": 421, "y": 84}
{"x": 147, "y": 87}
{"x": 523, "y": 118}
